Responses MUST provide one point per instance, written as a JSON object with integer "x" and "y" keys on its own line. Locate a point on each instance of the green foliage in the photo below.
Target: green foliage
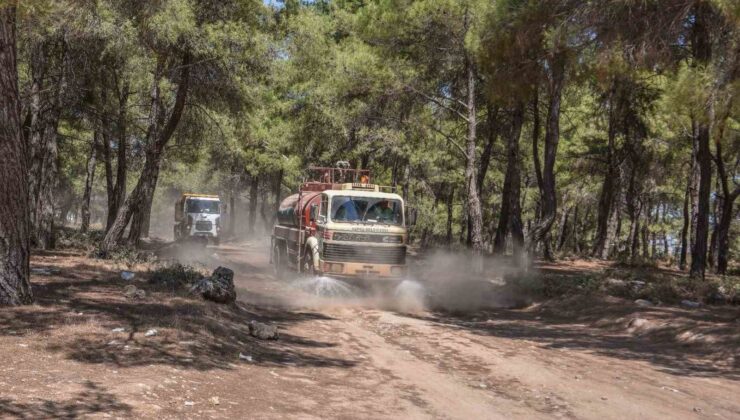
{"x": 382, "y": 84}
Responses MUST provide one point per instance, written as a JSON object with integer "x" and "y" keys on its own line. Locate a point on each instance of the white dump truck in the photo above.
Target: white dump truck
{"x": 198, "y": 216}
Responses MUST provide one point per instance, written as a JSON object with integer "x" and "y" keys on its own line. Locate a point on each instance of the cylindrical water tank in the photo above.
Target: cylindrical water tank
{"x": 295, "y": 206}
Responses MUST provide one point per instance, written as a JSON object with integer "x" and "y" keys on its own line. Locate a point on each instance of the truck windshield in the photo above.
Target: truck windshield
{"x": 366, "y": 210}
{"x": 202, "y": 206}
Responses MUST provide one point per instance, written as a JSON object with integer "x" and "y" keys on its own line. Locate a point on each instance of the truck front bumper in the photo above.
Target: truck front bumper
{"x": 363, "y": 270}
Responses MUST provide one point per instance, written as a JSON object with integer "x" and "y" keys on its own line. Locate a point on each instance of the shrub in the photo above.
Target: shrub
{"x": 175, "y": 275}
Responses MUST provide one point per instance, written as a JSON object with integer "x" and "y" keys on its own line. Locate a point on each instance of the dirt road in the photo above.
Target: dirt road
{"x": 488, "y": 364}
{"x": 347, "y": 358}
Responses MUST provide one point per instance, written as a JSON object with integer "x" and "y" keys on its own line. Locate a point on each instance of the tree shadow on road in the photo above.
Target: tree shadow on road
{"x": 679, "y": 342}
{"x": 79, "y": 314}
{"x": 92, "y": 400}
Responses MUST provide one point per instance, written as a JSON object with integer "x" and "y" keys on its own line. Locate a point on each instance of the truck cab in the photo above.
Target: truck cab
{"x": 361, "y": 232}
{"x": 198, "y": 216}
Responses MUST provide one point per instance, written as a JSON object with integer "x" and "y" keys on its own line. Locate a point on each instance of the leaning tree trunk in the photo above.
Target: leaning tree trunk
{"x": 134, "y": 201}
{"x": 15, "y": 288}
{"x": 475, "y": 215}
{"x": 158, "y": 140}
{"x": 89, "y": 178}
{"x": 140, "y": 219}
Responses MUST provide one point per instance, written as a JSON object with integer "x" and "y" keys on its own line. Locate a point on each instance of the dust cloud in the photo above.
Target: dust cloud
{"x": 437, "y": 282}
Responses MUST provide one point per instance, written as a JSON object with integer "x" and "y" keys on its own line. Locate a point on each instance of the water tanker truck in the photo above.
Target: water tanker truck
{"x": 340, "y": 224}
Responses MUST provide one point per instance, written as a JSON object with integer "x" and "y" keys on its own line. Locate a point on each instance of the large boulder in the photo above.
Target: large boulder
{"x": 219, "y": 287}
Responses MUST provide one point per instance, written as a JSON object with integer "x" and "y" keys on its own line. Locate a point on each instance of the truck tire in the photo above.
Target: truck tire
{"x": 279, "y": 260}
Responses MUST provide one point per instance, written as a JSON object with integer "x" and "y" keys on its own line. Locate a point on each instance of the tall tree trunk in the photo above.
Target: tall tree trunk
{"x": 563, "y": 232}
{"x": 232, "y": 211}
{"x": 89, "y": 178}
{"x": 699, "y": 252}
{"x": 609, "y": 187}
{"x": 253, "y": 192}
{"x": 117, "y": 195}
{"x": 723, "y": 233}
{"x": 541, "y": 232}
{"x": 475, "y": 216}
{"x": 450, "y": 201}
{"x": 644, "y": 233}
{"x": 575, "y": 235}
{"x": 140, "y": 218}
{"x": 277, "y": 187}
{"x": 37, "y": 121}
{"x": 634, "y": 238}
{"x": 485, "y": 158}
{"x": 510, "y": 219}
{"x": 15, "y": 288}
{"x": 46, "y": 175}
{"x": 728, "y": 200}
{"x": 686, "y": 224}
{"x": 536, "y": 149}
{"x": 717, "y": 206}
{"x": 146, "y": 184}
{"x": 109, "y": 186}
{"x": 45, "y": 237}
{"x": 702, "y": 52}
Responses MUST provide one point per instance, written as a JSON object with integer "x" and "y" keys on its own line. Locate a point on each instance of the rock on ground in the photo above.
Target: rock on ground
{"x": 132, "y": 292}
{"x": 219, "y": 287}
{"x": 263, "y": 331}
{"x": 644, "y": 303}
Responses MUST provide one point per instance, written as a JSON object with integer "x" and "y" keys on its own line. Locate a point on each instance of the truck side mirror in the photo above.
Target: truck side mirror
{"x": 313, "y": 211}
{"x": 411, "y": 216}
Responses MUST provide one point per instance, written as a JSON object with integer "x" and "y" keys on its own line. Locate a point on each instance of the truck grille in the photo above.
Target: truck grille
{"x": 203, "y": 225}
{"x": 364, "y": 254}
{"x": 364, "y": 237}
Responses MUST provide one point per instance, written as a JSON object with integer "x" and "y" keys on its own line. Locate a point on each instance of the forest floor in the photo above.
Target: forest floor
{"x": 82, "y": 351}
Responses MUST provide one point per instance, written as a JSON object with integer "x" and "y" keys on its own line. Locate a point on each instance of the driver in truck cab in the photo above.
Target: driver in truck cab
{"x": 382, "y": 212}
